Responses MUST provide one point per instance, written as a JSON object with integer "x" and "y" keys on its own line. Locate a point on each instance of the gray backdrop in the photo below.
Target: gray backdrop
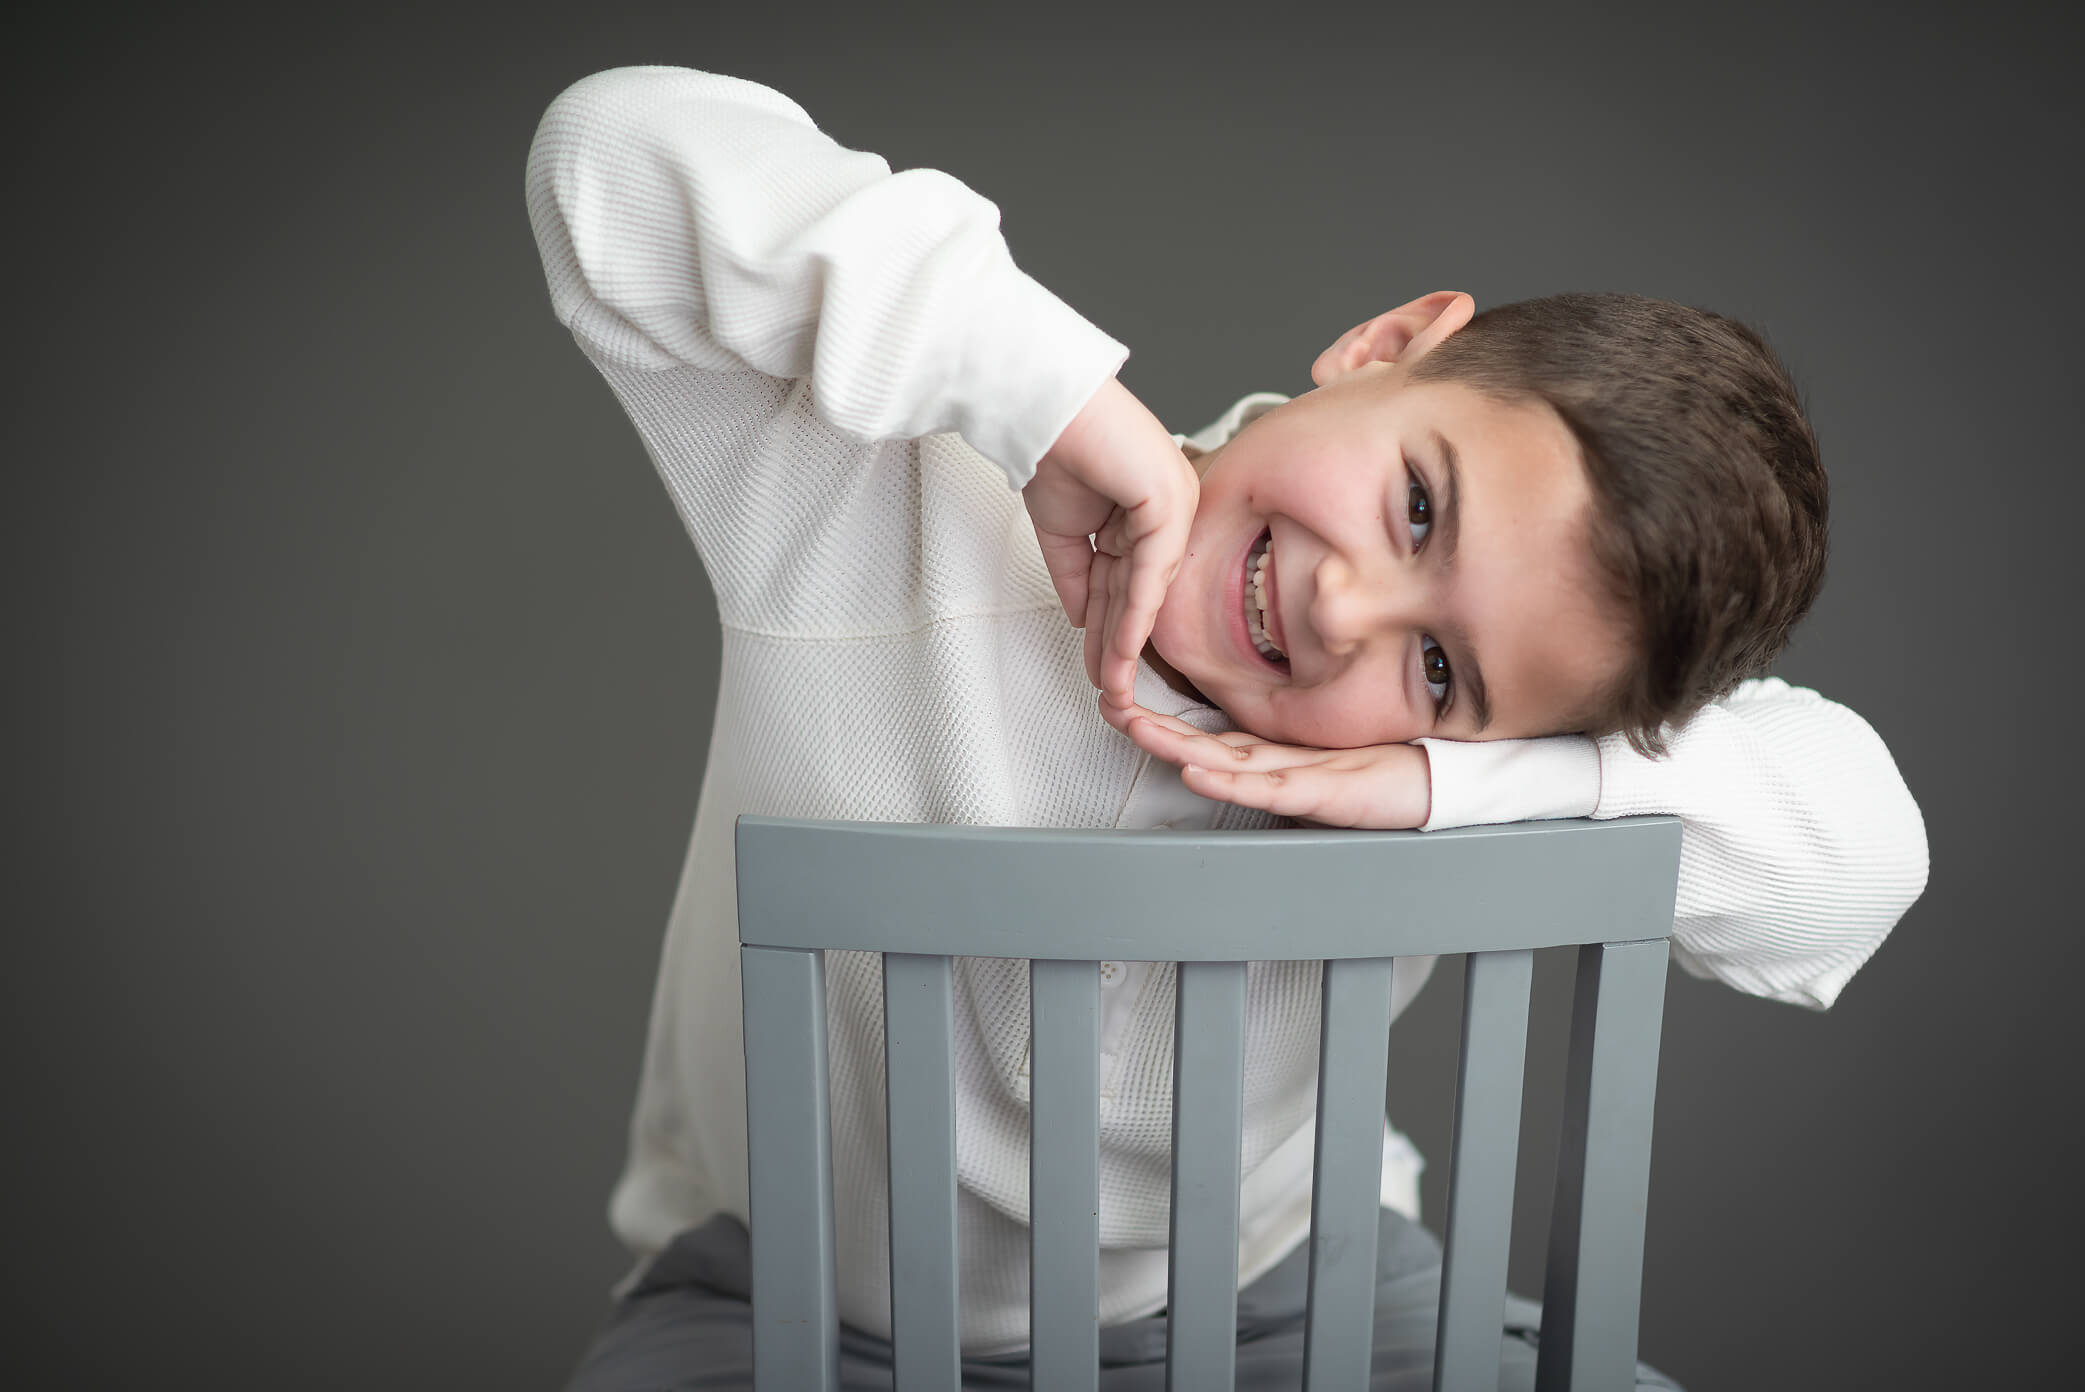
{"x": 365, "y": 674}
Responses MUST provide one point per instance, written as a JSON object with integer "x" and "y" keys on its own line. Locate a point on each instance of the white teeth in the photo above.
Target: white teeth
{"x": 1256, "y": 603}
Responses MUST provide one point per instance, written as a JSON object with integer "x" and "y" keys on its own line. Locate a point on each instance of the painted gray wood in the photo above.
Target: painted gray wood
{"x": 1211, "y": 901}
{"x": 1480, "y": 1178}
{"x": 1172, "y": 896}
{"x": 1208, "y": 1130}
{"x": 796, "y": 1321}
{"x": 1064, "y": 1174}
{"x": 1594, "y": 1284}
{"x": 1347, "y": 1173}
{"x": 918, "y": 1052}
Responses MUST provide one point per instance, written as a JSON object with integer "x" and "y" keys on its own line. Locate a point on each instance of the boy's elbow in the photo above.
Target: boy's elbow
{"x": 1916, "y": 856}
{"x": 1870, "y": 835}
{"x": 1898, "y": 858}
{"x": 1879, "y": 875}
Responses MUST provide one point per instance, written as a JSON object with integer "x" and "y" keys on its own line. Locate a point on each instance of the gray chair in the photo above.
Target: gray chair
{"x": 1210, "y": 901}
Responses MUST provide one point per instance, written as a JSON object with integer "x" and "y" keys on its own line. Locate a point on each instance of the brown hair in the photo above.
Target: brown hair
{"x": 1709, "y": 502}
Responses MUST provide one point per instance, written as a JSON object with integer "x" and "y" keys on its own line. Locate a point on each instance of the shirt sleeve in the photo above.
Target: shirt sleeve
{"x": 691, "y": 219}
{"x": 1801, "y": 846}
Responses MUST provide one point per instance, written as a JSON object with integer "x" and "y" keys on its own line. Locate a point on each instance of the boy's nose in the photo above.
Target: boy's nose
{"x": 1349, "y": 607}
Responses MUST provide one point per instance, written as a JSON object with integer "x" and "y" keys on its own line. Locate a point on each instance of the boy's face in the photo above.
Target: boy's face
{"x": 1427, "y": 570}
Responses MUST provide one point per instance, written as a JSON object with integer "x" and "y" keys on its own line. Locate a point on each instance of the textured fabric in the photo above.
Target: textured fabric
{"x": 1801, "y": 847}
{"x": 1510, "y": 780}
{"x": 688, "y": 1325}
{"x": 838, "y": 373}
{"x": 1801, "y": 850}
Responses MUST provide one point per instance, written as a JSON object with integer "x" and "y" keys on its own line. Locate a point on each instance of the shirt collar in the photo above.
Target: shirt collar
{"x": 1243, "y": 412}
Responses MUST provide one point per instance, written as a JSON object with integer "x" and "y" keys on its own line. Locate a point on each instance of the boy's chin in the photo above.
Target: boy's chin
{"x": 1173, "y": 676}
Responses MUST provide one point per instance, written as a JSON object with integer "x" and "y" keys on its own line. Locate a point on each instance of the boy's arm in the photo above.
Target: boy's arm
{"x": 701, "y": 237}
{"x": 696, "y": 220}
{"x": 1801, "y": 846}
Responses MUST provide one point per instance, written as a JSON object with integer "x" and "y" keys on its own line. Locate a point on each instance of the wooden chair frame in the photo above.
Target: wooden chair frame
{"x": 1212, "y": 902}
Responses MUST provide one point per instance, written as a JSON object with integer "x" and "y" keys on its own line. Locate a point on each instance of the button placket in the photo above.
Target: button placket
{"x": 1121, "y": 986}
{"x": 1119, "y": 994}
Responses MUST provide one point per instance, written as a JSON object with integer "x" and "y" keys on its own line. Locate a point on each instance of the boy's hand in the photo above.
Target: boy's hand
{"x": 1383, "y": 786}
{"x": 1114, "y": 476}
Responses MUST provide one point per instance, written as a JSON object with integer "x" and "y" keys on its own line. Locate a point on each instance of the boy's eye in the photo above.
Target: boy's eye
{"x": 1434, "y": 663}
{"x": 1418, "y": 511}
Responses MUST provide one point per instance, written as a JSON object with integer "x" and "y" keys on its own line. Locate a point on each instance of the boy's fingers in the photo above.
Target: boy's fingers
{"x": 1341, "y": 793}
{"x": 1096, "y": 624}
{"x": 1288, "y": 792}
{"x": 1147, "y": 539}
{"x": 1126, "y": 642}
{"x": 1179, "y": 743}
{"x": 1123, "y": 717}
{"x": 1070, "y": 561}
{"x": 1140, "y": 723}
{"x": 1132, "y": 627}
{"x": 1109, "y": 580}
{"x": 1324, "y": 795}
{"x": 1185, "y": 742}
{"x": 1144, "y": 594}
{"x": 1113, "y": 536}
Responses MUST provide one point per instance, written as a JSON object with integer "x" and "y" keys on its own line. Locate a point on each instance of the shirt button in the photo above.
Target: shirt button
{"x": 1110, "y": 974}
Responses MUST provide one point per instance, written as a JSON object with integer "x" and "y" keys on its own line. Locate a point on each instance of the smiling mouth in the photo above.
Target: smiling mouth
{"x": 1256, "y": 564}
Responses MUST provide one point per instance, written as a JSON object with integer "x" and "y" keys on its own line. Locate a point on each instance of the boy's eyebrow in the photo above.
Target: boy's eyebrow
{"x": 1451, "y": 516}
{"x": 1472, "y": 676}
{"x": 1451, "y": 479}
{"x": 1479, "y": 702}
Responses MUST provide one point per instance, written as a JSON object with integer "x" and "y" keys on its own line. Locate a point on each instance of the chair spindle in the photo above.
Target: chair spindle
{"x": 1208, "y": 1127}
{"x": 1064, "y": 1174}
{"x": 1594, "y": 1282}
{"x": 1486, "y": 1152}
{"x": 919, "y": 1036}
{"x": 1347, "y": 1173}
{"x": 796, "y": 1321}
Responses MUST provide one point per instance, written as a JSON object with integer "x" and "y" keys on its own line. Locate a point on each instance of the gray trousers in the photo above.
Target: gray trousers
{"x": 687, "y": 1324}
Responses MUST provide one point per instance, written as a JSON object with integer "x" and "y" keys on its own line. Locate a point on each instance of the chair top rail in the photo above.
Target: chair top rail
{"x": 1180, "y": 896}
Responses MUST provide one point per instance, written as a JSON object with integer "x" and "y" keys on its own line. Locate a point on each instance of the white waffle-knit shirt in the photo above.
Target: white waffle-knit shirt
{"x": 843, "y": 380}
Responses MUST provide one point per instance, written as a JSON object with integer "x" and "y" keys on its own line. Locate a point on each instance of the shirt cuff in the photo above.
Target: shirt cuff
{"x": 1030, "y": 364}
{"x": 1485, "y": 781}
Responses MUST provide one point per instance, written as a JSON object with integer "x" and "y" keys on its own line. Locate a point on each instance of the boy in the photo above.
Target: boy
{"x": 1404, "y": 585}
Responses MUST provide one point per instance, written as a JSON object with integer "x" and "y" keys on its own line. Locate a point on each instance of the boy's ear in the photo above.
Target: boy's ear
{"x": 1401, "y": 335}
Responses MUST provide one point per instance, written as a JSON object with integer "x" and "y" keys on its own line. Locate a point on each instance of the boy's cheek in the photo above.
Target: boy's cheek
{"x": 1340, "y": 725}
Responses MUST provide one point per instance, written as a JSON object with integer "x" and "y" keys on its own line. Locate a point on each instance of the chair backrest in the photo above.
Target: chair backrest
{"x": 1212, "y": 902}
